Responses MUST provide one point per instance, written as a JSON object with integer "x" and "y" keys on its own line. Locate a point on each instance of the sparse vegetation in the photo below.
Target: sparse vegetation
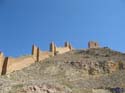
{"x": 78, "y": 71}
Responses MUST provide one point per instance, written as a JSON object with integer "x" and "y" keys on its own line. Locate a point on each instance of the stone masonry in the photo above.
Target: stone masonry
{"x": 10, "y": 64}
{"x": 93, "y": 44}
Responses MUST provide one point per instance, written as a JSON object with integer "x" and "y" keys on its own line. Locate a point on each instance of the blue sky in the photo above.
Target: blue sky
{"x": 27, "y": 22}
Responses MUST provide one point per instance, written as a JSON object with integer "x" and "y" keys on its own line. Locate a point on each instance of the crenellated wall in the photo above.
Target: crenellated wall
{"x": 10, "y": 64}
{"x": 60, "y": 50}
{"x": 40, "y": 55}
{"x": 44, "y": 55}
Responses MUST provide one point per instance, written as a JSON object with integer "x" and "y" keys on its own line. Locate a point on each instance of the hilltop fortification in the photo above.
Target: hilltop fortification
{"x": 68, "y": 70}
{"x": 10, "y": 64}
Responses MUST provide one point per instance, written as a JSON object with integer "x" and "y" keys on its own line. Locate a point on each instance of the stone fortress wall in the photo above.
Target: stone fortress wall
{"x": 10, "y": 64}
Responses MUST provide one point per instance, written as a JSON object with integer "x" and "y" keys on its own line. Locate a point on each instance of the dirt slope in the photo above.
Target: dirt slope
{"x": 78, "y": 71}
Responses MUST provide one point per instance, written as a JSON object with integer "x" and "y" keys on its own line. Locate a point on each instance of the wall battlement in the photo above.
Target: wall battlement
{"x": 60, "y": 50}
{"x": 10, "y": 64}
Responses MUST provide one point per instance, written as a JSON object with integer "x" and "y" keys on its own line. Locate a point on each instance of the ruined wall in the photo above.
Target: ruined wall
{"x": 10, "y": 64}
{"x": 60, "y": 50}
{"x": 40, "y": 55}
{"x": 93, "y": 44}
{"x": 44, "y": 55}
{"x": 53, "y": 48}
{"x": 13, "y": 64}
{"x": 35, "y": 52}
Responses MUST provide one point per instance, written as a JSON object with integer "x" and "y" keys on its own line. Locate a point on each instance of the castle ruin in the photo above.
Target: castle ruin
{"x": 10, "y": 64}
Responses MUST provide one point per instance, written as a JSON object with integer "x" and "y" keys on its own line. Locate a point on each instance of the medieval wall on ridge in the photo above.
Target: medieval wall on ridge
{"x": 44, "y": 55}
{"x": 10, "y": 64}
{"x": 19, "y": 63}
{"x": 60, "y": 50}
{"x": 40, "y": 55}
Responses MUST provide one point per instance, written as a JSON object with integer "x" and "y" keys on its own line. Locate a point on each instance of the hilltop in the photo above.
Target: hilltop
{"x": 93, "y": 70}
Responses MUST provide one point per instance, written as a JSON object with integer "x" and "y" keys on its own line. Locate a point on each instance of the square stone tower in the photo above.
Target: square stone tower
{"x": 93, "y": 44}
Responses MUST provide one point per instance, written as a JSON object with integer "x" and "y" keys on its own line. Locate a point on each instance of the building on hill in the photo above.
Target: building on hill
{"x": 10, "y": 64}
{"x": 92, "y": 44}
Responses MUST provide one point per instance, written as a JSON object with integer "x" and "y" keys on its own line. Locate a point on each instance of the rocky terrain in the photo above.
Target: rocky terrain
{"x": 99, "y": 70}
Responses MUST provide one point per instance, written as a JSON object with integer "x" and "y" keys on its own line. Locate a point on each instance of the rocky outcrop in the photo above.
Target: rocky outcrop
{"x": 95, "y": 70}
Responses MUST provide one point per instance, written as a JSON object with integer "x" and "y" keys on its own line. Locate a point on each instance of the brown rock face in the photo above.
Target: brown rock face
{"x": 43, "y": 88}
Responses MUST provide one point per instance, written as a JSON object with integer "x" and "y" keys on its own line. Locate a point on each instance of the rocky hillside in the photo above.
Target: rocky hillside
{"x": 99, "y": 70}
